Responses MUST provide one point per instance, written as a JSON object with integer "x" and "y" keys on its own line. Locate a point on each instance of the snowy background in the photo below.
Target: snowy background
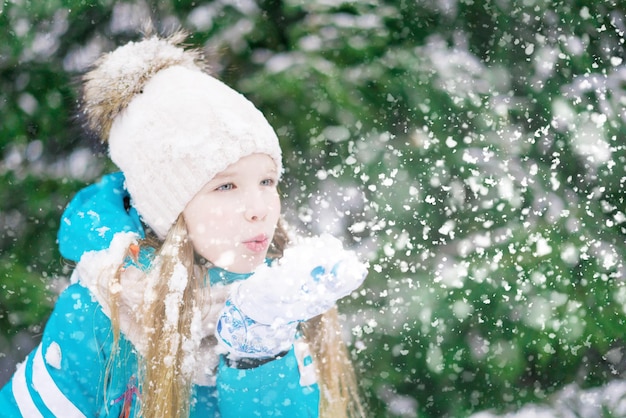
{"x": 473, "y": 151}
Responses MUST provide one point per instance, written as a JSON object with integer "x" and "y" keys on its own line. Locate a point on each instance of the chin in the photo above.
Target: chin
{"x": 248, "y": 266}
{"x": 242, "y": 264}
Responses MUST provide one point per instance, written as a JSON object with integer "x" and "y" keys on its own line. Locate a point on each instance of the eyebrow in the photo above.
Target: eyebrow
{"x": 224, "y": 174}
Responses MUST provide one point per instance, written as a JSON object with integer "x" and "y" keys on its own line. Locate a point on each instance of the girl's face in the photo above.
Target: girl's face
{"x": 231, "y": 221}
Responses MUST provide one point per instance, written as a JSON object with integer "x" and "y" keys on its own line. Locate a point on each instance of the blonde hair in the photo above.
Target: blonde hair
{"x": 336, "y": 376}
{"x": 165, "y": 384}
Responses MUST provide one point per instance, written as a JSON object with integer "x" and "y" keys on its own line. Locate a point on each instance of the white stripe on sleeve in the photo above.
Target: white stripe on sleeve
{"x": 22, "y": 394}
{"x": 50, "y": 393}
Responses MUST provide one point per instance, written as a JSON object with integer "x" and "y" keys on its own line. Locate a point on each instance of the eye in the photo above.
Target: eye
{"x": 225, "y": 187}
{"x": 268, "y": 182}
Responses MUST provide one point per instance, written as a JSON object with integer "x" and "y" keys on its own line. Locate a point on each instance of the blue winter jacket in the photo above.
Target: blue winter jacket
{"x": 65, "y": 376}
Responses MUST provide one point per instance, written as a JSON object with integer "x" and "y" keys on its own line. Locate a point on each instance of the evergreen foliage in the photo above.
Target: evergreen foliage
{"x": 473, "y": 150}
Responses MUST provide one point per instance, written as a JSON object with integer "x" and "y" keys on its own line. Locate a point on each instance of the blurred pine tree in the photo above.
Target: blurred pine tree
{"x": 473, "y": 150}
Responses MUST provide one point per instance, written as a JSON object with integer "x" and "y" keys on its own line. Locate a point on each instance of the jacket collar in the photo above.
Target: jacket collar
{"x": 218, "y": 275}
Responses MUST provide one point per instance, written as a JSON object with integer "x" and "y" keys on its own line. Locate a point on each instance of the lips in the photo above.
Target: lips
{"x": 257, "y": 244}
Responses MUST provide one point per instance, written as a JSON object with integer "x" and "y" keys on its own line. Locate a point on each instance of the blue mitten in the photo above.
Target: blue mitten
{"x": 95, "y": 215}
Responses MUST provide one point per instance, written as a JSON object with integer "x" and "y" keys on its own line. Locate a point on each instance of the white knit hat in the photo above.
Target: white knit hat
{"x": 170, "y": 126}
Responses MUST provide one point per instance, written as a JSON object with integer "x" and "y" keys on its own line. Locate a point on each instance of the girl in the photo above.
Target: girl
{"x": 185, "y": 300}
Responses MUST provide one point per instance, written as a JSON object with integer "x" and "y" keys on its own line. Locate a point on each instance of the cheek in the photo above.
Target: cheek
{"x": 206, "y": 227}
{"x": 275, "y": 206}
{"x": 272, "y": 201}
{"x": 206, "y": 239}
{"x": 199, "y": 224}
{"x": 198, "y": 229}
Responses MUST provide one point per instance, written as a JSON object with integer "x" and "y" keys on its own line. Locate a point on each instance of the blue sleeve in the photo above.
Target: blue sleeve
{"x": 63, "y": 376}
{"x": 272, "y": 389}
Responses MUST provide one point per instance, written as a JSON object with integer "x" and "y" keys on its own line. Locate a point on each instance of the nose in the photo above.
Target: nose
{"x": 256, "y": 208}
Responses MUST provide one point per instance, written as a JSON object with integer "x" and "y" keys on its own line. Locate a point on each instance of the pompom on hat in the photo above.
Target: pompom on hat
{"x": 170, "y": 126}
